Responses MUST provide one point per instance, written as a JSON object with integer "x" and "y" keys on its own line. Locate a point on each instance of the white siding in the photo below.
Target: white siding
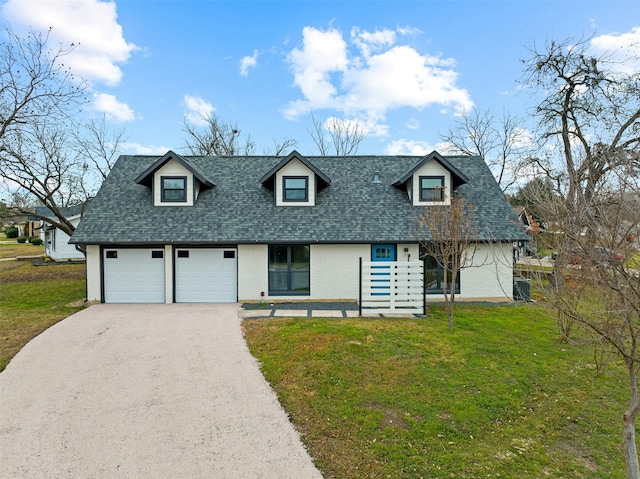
{"x": 172, "y": 168}
{"x": 431, "y": 168}
{"x": 168, "y": 274}
{"x": 493, "y": 278}
{"x": 295, "y": 168}
{"x": 412, "y": 253}
{"x": 56, "y": 244}
{"x": 334, "y": 272}
{"x": 93, "y": 273}
{"x": 253, "y": 272}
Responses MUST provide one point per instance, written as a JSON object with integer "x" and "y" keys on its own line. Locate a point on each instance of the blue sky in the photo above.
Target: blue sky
{"x": 403, "y": 69}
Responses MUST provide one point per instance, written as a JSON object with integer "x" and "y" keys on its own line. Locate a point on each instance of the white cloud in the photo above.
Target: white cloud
{"x": 248, "y": 62}
{"x": 368, "y": 42}
{"x": 198, "y": 110}
{"x": 408, "y": 147}
{"x": 375, "y": 76}
{"x": 413, "y": 124}
{"x": 91, "y": 25}
{"x": 133, "y": 148}
{"x": 323, "y": 53}
{"x": 624, "y": 49}
{"x": 112, "y": 108}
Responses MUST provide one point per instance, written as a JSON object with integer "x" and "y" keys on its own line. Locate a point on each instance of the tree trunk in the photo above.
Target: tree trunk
{"x": 450, "y": 313}
{"x": 630, "y": 451}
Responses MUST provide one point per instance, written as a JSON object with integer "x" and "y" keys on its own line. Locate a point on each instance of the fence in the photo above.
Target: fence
{"x": 388, "y": 287}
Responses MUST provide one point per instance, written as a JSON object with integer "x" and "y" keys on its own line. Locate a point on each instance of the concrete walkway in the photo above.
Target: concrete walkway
{"x": 144, "y": 391}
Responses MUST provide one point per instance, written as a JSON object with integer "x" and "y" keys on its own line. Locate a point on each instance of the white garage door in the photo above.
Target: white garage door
{"x": 134, "y": 276}
{"x": 206, "y": 275}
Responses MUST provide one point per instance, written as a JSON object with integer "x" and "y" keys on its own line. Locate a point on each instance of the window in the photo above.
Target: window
{"x": 174, "y": 189}
{"x": 295, "y": 188}
{"x": 432, "y": 188}
{"x": 157, "y": 254}
{"x": 289, "y": 270}
{"x": 434, "y": 277}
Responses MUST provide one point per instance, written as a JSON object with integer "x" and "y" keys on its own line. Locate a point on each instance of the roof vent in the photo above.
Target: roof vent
{"x": 376, "y": 179}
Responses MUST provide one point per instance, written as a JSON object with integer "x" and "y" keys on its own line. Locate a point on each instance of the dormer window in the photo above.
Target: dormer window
{"x": 432, "y": 188}
{"x": 174, "y": 189}
{"x": 295, "y": 188}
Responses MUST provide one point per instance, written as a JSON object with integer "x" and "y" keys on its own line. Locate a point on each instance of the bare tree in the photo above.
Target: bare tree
{"x": 39, "y": 101}
{"x": 34, "y": 86}
{"x": 340, "y": 137}
{"x": 502, "y": 142}
{"x": 448, "y": 233}
{"x": 38, "y": 165}
{"x": 589, "y": 121}
{"x": 216, "y": 138}
{"x": 98, "y": 146}
{"x": 281, "y": 147}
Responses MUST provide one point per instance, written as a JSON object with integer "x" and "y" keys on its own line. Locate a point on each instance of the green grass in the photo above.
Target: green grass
{"x": 16, "y": 249}
{"x": 34, "y": 298}
{"x": 498, "y": 397}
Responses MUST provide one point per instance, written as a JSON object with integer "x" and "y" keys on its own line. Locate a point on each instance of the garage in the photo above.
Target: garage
{"x": 206, "y": 275}
{"x": 133, "y": 275}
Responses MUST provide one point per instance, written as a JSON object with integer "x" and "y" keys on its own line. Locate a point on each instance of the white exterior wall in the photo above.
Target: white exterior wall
{"x": 172, "y": 168}
{"x": 58, "y": 248}
{"x": 295, "y": 168}
{"x": 492, "y": 279}
{"x": 333, "y": 272}
{"x": 168, "y": 274}
{"x": 93, "y": 273}
{"x": 431, "y": 168}
{"x": 412, "y": 253}
{"x": 253, "y": 272}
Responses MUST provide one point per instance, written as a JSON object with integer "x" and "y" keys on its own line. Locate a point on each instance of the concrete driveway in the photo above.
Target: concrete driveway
{"x": 144, "y": 391}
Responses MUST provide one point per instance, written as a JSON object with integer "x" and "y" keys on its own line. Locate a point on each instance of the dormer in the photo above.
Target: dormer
{"x": 174, "y": 181}
{"x": 295, "y": 181}
{"x": 431, "y": 181}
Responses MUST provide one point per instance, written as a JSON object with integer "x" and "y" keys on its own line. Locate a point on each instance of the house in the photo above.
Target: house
{"x": 268, "y": 228}
{"x": 533, "y": 226}
{"x": 56, "y": 242}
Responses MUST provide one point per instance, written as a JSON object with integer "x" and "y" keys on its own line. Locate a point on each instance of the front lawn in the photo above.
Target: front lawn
{"x": 33, "y": 298}
{"x": 498, "y": 397}
{"x": 14, "y": 249}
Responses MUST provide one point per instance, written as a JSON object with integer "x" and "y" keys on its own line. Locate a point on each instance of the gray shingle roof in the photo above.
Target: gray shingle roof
{"x": 239, "y": 209}
{"x": 67, "y": 211}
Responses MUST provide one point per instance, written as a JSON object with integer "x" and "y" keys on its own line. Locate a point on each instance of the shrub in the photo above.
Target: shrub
{"x": 35, "y": 241}
{"x": 12, "y": 232}
{"x": 22, "y": 239}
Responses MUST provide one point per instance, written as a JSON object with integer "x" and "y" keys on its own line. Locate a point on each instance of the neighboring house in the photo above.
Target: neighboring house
{"x": 56, "y": 241}
{"x": 26, "y": 226}
{"x": 532, "y": 226}
{"x": 266, "y": 228}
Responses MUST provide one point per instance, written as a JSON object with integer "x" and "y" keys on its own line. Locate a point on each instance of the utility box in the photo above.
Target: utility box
{"x": 521, "y": 289}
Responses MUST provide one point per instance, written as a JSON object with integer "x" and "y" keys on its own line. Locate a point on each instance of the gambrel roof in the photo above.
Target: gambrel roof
{"x": 350, "y": 207}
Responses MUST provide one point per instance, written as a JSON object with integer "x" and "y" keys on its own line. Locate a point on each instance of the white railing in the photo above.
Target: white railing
{"x": 388, "y": 287}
